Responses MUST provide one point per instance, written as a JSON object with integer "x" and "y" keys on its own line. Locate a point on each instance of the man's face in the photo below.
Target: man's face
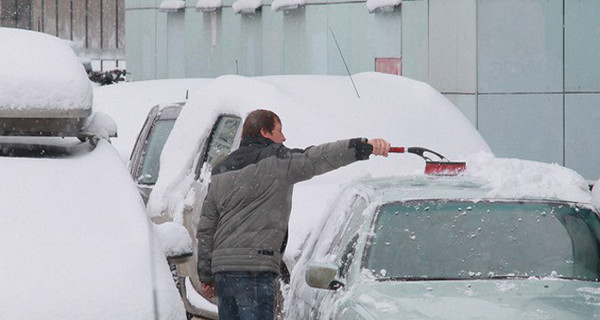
{"x": 276, "y": 135}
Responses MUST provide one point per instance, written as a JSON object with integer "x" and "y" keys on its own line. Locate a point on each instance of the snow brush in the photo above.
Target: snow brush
{"x": 442, "y": 167}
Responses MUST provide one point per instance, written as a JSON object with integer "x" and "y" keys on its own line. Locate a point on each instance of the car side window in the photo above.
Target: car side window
{"x": 354, "y": 218}
{"x": 150, "y": 159}
{"x": 222, "y": 139}
{"x": 347, "y": 256}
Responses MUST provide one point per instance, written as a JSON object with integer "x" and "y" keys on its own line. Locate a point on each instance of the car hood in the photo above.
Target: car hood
{"x": 482, "y": 299}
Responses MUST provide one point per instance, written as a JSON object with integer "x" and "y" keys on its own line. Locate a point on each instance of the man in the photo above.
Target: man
{"x": 246, "y": 211}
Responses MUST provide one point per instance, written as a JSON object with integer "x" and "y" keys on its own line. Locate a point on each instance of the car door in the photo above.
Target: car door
{"x": 142, "y": 137}
{"x": 339, "y": 250}
{"x": 225, "y": 137}
{"x": 145, "y": 163}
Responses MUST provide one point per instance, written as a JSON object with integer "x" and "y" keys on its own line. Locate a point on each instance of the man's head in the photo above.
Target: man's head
{"x": 263, "y": 123}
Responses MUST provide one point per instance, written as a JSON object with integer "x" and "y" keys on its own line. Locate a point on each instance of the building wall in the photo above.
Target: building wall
{"x": 530, "y": 85}
{"x": 265, "y": 43}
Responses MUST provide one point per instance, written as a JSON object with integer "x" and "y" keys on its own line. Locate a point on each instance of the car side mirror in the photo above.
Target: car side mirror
{"x": 322, "y": 276}
{"x": 175, "y": 241}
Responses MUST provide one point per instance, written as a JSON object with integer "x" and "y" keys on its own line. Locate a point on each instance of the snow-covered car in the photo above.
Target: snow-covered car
{"x": 75, "y": 239}
{"x": 313, "y": 110}
{"x": 507, "y": 239}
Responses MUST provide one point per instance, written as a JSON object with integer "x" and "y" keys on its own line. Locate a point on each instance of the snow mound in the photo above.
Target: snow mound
{"x": 41, "y": 77}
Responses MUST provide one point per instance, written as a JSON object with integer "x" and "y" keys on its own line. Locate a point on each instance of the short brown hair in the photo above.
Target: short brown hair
{"x": 257, "y": 120}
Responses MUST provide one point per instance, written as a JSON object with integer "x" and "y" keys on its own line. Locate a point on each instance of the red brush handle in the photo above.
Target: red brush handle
{"x": 397, "y": 149}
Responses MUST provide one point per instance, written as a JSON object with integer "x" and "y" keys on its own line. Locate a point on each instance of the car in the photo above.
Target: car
{"x": 314, "y": 109}
{"x": 76, "y": 241}
{"x": 509, "y": 239}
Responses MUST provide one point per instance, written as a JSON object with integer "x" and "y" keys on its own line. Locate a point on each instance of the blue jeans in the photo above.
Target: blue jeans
{"x": 245, "y": 295}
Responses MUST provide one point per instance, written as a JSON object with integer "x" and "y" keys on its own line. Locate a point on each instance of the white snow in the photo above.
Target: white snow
{"x": 382, "y": 5}
{"x": 77, "y": 243}
{"x": 278, "y": 5}
{"x": 41, "y": 75}
{"x": 172, "y": 5}
{"x": 100, "y": 125}
{"x": 516, "y": 178}
{"x": 246, "y": 6}
{"x": 196, "y": 299}
{"x": 174, "y": 239}
{"x": 209, "y": 5}
{"x": 596, "y": 194}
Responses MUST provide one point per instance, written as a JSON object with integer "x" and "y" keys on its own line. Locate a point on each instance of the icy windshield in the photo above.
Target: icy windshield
{"x": 466, "y": 240}
{"x": 151, "y": 158}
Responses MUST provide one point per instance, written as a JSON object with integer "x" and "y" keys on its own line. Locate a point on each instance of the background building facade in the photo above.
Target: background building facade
{"x": 525, "y": 72}
{"x": 97, "y": 27}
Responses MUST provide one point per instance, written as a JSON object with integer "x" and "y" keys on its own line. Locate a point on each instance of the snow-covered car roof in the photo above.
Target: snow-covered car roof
{"x": 41, "y": 77}
{"x": 75, "y": 239}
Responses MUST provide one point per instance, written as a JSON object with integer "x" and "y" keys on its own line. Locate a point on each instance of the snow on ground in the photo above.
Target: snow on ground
{"x": 41, "y": 73}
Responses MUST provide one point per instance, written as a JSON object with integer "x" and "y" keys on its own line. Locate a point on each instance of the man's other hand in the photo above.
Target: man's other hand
{"x": 209, "y": 290}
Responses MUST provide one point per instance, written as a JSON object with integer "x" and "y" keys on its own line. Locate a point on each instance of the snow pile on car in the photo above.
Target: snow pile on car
{"x": 524, "y": 179}
{"x": 41, "y": 77}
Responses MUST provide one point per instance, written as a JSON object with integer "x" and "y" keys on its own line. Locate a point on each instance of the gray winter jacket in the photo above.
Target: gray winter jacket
{"x": 246, "y": 211}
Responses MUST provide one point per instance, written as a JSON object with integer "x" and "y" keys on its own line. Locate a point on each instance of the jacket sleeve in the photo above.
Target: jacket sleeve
{"x": 205, "y": 233}
{"x": 323, "y": 158}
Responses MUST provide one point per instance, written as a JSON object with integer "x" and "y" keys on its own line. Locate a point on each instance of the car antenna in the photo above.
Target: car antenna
{"x": 344, "y": 60}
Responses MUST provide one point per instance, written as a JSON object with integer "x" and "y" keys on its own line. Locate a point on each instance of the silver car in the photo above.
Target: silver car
{"x": 443, "y": 248}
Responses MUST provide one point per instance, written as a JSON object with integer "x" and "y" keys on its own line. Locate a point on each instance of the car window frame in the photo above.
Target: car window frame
{"x": 140, "y": 142}
{"x": 208, "y": 143}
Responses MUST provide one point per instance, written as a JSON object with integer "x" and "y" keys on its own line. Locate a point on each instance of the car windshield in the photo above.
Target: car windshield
{"x": 484, "y": 240}
{"x": 148, "y": 173}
